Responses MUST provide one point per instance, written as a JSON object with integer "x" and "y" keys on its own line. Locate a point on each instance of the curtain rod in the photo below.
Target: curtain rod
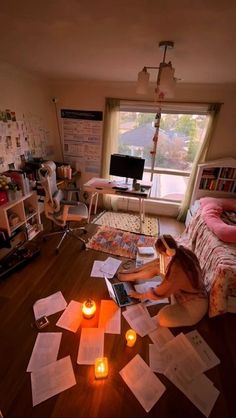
{"x": 165, "y": 101}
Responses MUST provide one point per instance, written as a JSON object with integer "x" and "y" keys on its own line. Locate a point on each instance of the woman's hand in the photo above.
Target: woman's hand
{"x": 137, "y": 295}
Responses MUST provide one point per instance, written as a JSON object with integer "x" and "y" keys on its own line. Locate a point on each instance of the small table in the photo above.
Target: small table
{"x": 96, "y": 186}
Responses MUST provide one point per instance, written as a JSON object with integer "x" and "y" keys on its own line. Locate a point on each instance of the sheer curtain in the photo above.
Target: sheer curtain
{"x": 200, "y": 158}
{"x": 110, "y": 142}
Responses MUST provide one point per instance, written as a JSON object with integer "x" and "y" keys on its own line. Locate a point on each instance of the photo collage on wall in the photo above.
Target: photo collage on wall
{"x": 21, "y": 139}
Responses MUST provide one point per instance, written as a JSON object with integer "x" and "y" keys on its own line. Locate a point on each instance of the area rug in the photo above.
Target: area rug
{"x": 128, "y": 222}
{"x": 114, "y": 241}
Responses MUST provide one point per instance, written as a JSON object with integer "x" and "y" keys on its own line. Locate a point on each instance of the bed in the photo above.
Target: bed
{"x": 217, "y": 258}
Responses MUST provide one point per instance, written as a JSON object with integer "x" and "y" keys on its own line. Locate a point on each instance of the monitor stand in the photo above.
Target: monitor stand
{"x": 134, "y": 183}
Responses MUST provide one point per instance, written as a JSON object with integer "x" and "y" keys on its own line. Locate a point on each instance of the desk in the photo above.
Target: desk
{"x": 96, "y": 186}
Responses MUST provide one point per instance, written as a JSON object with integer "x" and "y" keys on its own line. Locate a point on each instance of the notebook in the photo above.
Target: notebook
{"x": 119, "y": 293}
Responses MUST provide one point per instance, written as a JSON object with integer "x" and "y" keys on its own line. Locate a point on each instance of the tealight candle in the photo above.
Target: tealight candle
{"x": 89, "y": 308}
{"x": 131, "y": 337}
{"x": 101, "y": 367}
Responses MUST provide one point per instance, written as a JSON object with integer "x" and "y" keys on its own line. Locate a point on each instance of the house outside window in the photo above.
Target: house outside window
{"x": 182, "y": 131}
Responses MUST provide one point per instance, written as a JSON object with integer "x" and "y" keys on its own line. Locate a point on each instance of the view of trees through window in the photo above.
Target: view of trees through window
{"x": 178, "y": 140}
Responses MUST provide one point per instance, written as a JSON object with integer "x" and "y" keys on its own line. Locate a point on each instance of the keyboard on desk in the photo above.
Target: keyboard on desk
{"x": 121, "y": 188}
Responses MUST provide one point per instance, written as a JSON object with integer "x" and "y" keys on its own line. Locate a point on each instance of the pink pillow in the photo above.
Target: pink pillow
{"x": 226, "y": 204}
{"x": 211, "y": 212}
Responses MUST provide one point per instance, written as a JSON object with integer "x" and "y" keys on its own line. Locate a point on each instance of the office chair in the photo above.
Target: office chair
{"x": 59, "y": 207}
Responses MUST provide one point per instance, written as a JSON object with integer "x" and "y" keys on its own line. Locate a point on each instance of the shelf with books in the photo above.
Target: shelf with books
{"x": 20, "y": 213}
{"x": 215, "y": 178}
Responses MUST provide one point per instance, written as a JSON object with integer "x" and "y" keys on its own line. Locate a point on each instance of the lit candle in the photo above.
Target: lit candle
{"x": 101, "y": 367}
{"x": 131, "y": 337}
{"x": 89, "y": 308}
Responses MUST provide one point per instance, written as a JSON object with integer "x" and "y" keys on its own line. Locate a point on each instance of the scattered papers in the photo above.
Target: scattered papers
{"x": 200, "y": 391}
{"x": 52, "y": 379}
{"x": 110, "y": 317}
{"x": 142, "y": 382}
{"x": 108, "y": 267}
{"x": 161, "y": 336}
{"x": 145, "y": 287}
{"x": 49, "y": 305}
{"x": 203, "y": 349}
{"x": 45, "y": 350}
{"x": 181, "y": 350}
{"x": 71, "y": 317}
{"x": 183, "y": 360}
{"x": 111, "y": 266}
{"x": 139, "y": 319}
{"x": 156, "y": 360}
{"x": 97, "y": 269}
{"x": 91, "y": 345}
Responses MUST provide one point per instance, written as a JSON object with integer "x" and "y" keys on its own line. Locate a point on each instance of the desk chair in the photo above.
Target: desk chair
{"x": 59, "y": 207}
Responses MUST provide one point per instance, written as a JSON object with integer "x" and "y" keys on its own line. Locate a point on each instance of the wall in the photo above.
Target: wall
{"x": 90, "y": 95}
{"x": 26, "y": 93}
{"x": 29, "y": 97}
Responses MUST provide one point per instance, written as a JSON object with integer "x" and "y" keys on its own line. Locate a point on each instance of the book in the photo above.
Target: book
{"x": 147, "y": 251}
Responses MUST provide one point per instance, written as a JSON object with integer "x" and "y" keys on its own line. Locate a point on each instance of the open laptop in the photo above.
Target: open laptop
{"x": 119, "y": 293}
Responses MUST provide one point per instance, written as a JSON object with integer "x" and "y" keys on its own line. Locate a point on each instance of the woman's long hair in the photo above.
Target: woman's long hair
{"x": 185, "y": 257}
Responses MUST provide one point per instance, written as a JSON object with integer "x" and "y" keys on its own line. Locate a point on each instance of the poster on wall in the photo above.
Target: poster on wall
{"x": 82, "y": 133}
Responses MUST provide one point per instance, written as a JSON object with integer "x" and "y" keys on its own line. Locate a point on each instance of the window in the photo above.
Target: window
{"x": 181, "y": 132}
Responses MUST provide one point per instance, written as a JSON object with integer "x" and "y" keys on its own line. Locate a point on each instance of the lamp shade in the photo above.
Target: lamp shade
{"x": 143, "y": 80}
{"x": 166, "y": 80}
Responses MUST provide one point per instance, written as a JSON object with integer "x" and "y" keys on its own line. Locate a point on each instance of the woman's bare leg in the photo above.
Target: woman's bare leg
{"x": 147, "y": 271}
{"x": 153, "y": 263}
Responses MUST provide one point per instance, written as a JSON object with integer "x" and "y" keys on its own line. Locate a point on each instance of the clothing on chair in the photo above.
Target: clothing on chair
{"x": 58, "y": 205}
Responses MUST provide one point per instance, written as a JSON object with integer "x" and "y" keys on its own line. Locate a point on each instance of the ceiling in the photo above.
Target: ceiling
{"x": 114, "y": 39}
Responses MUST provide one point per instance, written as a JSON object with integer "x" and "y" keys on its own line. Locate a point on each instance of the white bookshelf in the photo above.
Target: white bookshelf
{"x": 22, "y": 213}
{"x": 215, "y": 179}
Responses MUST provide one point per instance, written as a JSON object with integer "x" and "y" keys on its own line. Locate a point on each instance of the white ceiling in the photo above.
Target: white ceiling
{"x": 114, "y": 39}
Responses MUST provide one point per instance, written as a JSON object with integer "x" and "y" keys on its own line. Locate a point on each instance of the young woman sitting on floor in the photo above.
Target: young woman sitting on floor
{"x": 182, "y": 282}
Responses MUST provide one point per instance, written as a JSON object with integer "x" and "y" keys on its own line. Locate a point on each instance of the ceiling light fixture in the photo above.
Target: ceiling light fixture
{"x": 165, "y": 78}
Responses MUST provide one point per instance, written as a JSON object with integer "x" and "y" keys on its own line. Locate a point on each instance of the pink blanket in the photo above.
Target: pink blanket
{"x": 212, "y": 209}
{"x": 217, "y": 260}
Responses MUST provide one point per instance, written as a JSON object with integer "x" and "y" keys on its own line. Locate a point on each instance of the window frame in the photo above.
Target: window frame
{"x": 183, "y": 108}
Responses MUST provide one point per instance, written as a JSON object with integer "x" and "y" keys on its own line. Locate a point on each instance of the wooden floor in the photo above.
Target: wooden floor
{"x": 69, "y": 272}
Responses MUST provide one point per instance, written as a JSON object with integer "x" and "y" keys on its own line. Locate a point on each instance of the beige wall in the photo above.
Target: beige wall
{"x": 27, "y": 94}
{"x": 84, "y": 95}
{"x": 24, "y": 92}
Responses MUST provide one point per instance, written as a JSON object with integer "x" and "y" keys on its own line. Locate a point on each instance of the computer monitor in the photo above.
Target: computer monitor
{"x": 127, "y": 166}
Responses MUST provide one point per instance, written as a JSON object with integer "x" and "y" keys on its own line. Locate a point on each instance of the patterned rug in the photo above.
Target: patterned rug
{"x": 128, "y": 222}
{"x": 114, "y": 241}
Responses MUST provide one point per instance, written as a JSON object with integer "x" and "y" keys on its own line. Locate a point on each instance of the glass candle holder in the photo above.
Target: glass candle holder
{"x": 88, "y": 308}
{"x": 101, "y": 367}
{"x": 131, "y": 337}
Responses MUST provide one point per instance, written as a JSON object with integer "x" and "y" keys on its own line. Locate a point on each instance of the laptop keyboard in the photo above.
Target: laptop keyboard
{"x": 121, "y": 294}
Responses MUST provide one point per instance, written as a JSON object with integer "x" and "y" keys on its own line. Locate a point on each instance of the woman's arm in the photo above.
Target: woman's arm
{"x": 162, "y": 291}
{"x": 166, "y": 288}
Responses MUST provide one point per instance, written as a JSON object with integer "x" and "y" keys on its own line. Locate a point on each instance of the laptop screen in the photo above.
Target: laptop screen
{"x": 110, "y": 289}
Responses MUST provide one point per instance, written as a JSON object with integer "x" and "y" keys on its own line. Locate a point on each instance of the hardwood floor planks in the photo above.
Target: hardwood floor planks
{"x": 69, "y": 272}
